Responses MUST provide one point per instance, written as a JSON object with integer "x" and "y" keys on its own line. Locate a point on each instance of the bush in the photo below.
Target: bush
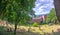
{"x": 35, "y": 24}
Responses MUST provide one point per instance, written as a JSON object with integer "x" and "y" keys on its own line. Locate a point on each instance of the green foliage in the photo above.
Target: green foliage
{"x": 35, "y": 24}
{"x": 51, "y": 17}
{"x": 16, "y": 10}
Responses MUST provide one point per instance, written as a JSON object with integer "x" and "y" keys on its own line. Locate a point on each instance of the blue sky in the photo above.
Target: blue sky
{"x": 43, "y": 7}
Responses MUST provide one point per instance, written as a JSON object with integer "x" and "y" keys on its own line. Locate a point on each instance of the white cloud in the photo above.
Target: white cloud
{"x": 41, "y": 13}
{"x": 43, "y": 6}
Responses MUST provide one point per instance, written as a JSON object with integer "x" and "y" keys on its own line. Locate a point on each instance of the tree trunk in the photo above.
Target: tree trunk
{"x": 15, "y": 28}
{"x": 29, "y": 28}
{"x": 57, "y": 8}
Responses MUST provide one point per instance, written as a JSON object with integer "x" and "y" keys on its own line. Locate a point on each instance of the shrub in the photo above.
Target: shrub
{"x": 35, "y": 24}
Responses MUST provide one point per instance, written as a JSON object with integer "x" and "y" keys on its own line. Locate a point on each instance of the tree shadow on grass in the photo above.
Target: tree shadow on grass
{"x": 3, "y": 31}
{"x": 28, "y": 33}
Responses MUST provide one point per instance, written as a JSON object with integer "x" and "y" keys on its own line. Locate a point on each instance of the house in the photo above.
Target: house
{"x": 39, "y": 19}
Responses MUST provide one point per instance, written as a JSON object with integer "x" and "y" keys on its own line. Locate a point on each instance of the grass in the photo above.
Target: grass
{"x": 43, "y": 29}
{"x": 4, "y": 32}
{"x": 33, "y": 31}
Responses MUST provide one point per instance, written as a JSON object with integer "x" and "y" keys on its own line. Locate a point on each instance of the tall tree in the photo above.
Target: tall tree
{"x": 16, "y": 10}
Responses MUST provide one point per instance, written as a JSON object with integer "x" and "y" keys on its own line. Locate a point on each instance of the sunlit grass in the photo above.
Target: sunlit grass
{"x": 44, "y": 28}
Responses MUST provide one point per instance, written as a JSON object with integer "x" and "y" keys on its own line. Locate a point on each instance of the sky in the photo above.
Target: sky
{"x": 43, "y": 7}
